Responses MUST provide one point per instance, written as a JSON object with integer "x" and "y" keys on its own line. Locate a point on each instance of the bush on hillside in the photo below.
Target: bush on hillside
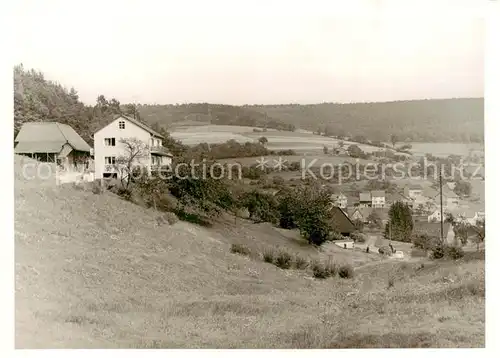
{"x": 277, "y": 180}
{"x": 210, "y": 196}
{"x": 358, "y": 237}
{"x": 294, "y": 166}
{"x": 192, "y": 215}
{"x": 308, "y": 209}
{"x": 346, "y": 271}
{"x": 96, "y": 187}
{"x": 424, "y": 242}
{"x": 240, "y": 249}
{"x": 283, "y": 260}
{"x": 261, "y": 206}
{"x": 123, "y": 193}
{"x": 300, "y": 262}
{"x": 268, "y": 255}
{"x": 453, "y": 252}
{"x": 385, "y": 250}
{"x": 167, "y": 218}
{"x": 438, "y": 252}
{"x": 171, "y": 218}
{"x": 319, "y": 270}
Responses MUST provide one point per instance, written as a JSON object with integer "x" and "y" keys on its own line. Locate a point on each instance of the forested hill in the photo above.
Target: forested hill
{"x": 39, "y": 99}
{"x": 448, "y": 120}
{"x": 433, "y": 120}
{"x": 206, "y": 113}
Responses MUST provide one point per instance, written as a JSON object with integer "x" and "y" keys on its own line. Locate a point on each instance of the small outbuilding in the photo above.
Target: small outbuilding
{"x": 53, "y": 142}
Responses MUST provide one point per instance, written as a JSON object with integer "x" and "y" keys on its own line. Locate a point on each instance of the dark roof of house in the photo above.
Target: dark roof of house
{"x": 415, "y": 187}
{"x": 342, "y": 222}
{"x": 430, "y": 192}
{"x": 366, "y": 196}
{"x": 136, "y": 122}
{"x": 365, "y": 212}
{"x": 430, "y": 228}
{"x": 47, "y": 137}
{"x": 393, "y": 197}
{"x": 378, "y": 193}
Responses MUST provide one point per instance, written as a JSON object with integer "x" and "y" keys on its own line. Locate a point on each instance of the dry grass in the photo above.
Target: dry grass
{"x": 96, "y": 271}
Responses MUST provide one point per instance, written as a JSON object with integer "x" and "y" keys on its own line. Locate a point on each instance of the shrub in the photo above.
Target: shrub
{"x": 336, "y": 236}
{"x": 96, "y": 188}
{"x": 124, "y": 193}
{"x": 240, "y": 249}
{"x": 390, "y": 282}
{"x": 385, "y": 250}
{"x": 171, "y": 218}
{"x": 277, "y": 180}
{"x": 331, "y": 268}
{"x": 286, "y": 152}
{"x": 346, "y": 271}
{"x": 283, "y": 260}
{"x": 300, "y": 262}
{"x": 424, "y": 242}
{"x": 454, "y": 252}
{"x": 268, "y": 255}
{"x": 319, "y": 270}
{"x": 358, "y": 237}
{"x": 191, "y": 215}
{"x": 260, "y": 206}
{"x": 438, "y": 252}
{"x": 294, "y": 166}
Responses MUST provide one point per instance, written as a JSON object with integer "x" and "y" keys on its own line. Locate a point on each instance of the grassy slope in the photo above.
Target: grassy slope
{"x": 95, "y": 271}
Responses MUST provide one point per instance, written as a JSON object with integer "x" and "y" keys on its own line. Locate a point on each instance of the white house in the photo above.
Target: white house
{"x": 108, "y": 147}
{"x": 435, "y": 216}
{"x": 339, "y": 200}
{"x": 378, "y": 198}
{"x": 413, "y": 191}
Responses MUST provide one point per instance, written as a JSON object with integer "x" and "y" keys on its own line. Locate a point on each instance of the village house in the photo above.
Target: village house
{"x": 364, "y": 214}
{"x": 365, "y": 200}
{"x": 467, "y": 215}
{"x": 412, "y": 191}
{"x": 57, "y": 143}
{"x": 108, "y": 147}
{"x": 359, "y": 213}
{"x": 435, "y": 216}
{"x": 343, "y": 224}
{"x": 450, "y": 199}
{"x": 378, "y": 198}
{"x": 339, "y": 200}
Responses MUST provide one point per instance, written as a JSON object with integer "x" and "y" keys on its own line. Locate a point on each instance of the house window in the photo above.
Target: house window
{"x": 121, "y": 124}
{"x": 109, "y": 142}
{"x": 109, "y": 160}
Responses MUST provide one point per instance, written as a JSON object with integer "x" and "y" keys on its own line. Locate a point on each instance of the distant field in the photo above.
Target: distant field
{"x": 445, "y": 149}
{"x": 301, "y": 140}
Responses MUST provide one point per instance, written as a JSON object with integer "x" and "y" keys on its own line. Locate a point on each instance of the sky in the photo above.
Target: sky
{"x": 140, "y": 51}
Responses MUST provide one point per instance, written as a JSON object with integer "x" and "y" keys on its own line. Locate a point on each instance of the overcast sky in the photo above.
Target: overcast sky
{"x": 147, "y": 54}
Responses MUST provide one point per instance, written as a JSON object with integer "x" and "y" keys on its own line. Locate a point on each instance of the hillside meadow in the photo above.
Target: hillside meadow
{"x": 95, "y": 271}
